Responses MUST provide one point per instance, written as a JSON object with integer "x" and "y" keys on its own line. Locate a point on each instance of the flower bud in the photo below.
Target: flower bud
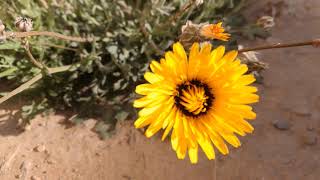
{"x": 190, "y": 34}
{"x": 23, "y": 24}
{"x": 214, "y": 31}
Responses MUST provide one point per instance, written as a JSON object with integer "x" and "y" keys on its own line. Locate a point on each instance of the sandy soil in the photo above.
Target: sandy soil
{"x": 289, "y": 98}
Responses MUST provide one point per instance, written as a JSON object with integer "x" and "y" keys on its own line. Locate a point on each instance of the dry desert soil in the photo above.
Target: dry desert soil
{"x": 290, "y": 100}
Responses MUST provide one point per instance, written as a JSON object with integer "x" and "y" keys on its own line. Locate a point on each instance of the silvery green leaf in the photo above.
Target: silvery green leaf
{"x": 10, "y": 45}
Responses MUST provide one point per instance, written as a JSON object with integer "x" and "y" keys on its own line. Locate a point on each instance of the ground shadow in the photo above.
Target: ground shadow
{"x": 9, "y": 122}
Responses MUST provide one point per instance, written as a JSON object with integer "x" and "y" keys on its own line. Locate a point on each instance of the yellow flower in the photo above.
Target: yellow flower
{"x": 201, "y": 97}
{"x": 214, "y": 31}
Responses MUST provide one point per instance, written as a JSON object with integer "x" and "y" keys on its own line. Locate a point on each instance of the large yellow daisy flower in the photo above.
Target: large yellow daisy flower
{"x": 202, "y": 98}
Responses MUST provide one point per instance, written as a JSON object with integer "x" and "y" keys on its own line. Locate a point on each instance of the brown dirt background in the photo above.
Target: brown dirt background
{"x": 290, "y": 94}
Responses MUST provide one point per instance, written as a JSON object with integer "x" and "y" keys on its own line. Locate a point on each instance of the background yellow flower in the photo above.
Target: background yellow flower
{"x": 214, "y": 31}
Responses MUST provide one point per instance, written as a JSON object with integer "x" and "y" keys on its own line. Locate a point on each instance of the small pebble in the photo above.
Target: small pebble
{"x": 51, "y": 161}
{"x": 27, "y": 128}
{"x": 40, "y": 148}
{"x": 47, "y": 152}
{"x": 282, "y": 124}
{"x": 41, "y": 123}
{"x": 25, "y": 165}
{"x": 310, "y": 139}
{"x": 18, "y": 176}
{"x": 310, "y": 127}
{"x": 35, "y": 178}
{"x": 74, "y": 170}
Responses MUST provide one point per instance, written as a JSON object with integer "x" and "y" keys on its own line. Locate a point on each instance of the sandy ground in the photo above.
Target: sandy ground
{"x": 289, "y": 98}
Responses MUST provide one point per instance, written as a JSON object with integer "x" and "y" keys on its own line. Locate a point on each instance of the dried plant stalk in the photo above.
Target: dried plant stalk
{"x": 47, "y": 33}
{"x": 315, "y": 43}
{"x": 29, "y": 83}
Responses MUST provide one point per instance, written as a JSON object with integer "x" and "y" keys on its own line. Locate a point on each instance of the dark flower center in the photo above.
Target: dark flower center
{"x": 194, "y": 98}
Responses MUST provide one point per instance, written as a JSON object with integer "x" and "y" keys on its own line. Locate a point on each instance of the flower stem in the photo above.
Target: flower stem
{"x": 32, "y": 59}
{"x": 314, "y": 43}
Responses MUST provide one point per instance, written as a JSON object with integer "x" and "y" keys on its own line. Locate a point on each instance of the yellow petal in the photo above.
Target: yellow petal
{"x": 171, "y": 121}
{"x": 178, "y": 125}
{"x": 193, "y": 154}
{"x": 226, "y": 134}
{"x": 206, "y": 48}
{"x": 179, "y": 50}
{"x": 246, "y": 80}
{"x": 174, "y": 139}
{"x": 156, "y": 67}
{"x": 182, "y": 148}
{"x": 194, "y": 51}
{"x": 236, "y": 121}
{"x": 142, "y": 121}
{"x": 149, "y": 102}
{"x": 158, "y": 121}
{"x": 232, "y": 139}
{"x": 154, "y": 127}
{"x": 205, "y": 143}
{"x": 245, "y": 99}
{"x": 194, "y": 61}
{"x": 166, "y": 132}
{"x": 243, "y": 68}
{"x": 216, "y": 139}
{"x": 243, "y": 110}
{"x": 217, "y": 54}
{"x": 144, "y": 89}
{"x": 152, "y": 78}
{"x": 148, "y": 111}
{"x": 228, "y": 124}
{"x": 207, "y": 148}
{"x": 230, "y": 56}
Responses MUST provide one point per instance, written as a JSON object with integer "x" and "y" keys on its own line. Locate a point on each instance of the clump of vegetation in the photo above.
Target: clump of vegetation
{"x": 126, "y": 35}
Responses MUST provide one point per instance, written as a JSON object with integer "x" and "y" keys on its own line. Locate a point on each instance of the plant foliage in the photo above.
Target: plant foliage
{"x": 128, "y": 34}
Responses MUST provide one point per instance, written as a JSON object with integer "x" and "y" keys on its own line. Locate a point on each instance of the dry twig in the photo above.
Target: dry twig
{"x": 32, "y": 59}
{"x": 47, "y": 33}
{"x": 314, "y": 43}
{"x": 29, "y": 83}
{"x": 58, "y": 46}
{"x": 5, "y": 165}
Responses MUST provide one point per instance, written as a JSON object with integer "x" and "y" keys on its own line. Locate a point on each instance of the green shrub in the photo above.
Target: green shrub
{"x": 128, "y": 34}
